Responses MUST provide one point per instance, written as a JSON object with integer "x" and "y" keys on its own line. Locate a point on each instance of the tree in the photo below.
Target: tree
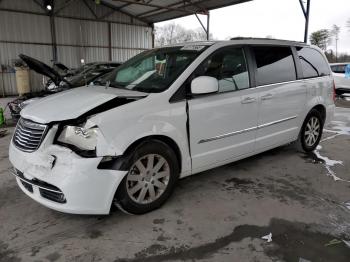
{"x": 335, "y": 34}
{"x": 320, "y": 38}
{"x": 174, "y": 33}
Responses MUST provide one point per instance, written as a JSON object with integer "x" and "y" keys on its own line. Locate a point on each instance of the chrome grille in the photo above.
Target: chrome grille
{"x": 28, "y": 135}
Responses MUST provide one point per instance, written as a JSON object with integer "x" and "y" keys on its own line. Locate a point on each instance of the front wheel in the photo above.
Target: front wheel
{"x": 153, "y": 172}
{"x": 311, "y": 131}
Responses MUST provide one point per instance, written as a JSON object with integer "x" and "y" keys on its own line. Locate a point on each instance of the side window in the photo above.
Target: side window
{"x": 275, "y": 64}
{"x": 312, "y": 62}
{"x": 229, "y": 67}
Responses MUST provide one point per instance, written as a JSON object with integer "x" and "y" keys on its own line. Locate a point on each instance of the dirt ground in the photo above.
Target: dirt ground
{"x": 218, "y": 215}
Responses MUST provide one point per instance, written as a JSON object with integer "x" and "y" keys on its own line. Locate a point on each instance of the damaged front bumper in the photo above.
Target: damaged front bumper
{"x": 60, "y": 179}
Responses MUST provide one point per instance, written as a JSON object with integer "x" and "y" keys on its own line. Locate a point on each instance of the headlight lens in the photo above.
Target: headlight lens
{"x": 80, "y": 137}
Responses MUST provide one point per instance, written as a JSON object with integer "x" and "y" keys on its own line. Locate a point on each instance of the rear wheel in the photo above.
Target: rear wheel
{"x": 153, "y": 172}
{"x": 311, "y": 131}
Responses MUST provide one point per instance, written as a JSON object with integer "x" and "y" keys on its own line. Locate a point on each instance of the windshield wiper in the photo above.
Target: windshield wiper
{"x": 115, "y": 85}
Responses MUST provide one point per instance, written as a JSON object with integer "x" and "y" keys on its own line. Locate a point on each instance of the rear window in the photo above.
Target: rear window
{"x": 275, "y": 64}
{"x": 312, "y": 62}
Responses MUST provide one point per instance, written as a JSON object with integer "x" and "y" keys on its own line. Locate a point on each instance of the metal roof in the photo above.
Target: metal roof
{"x": 153, "y": 11}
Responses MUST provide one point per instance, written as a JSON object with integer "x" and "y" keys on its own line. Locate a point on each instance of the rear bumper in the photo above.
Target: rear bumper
{"x": 82, "y": 187}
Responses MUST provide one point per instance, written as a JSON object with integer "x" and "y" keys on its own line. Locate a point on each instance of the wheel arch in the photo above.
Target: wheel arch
{"x": 121, "y": 162}
{"x": 320, "y": 108}
{"x": 165, "y": 139}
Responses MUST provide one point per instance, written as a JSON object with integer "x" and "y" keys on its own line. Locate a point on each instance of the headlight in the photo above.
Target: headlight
{"x": 80, "y": 137}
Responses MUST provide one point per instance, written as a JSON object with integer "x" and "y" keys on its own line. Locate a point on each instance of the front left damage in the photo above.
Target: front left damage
{"x": 53, "y": 172}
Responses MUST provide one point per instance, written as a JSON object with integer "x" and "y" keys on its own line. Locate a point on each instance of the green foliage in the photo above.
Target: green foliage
{"x": 320, "y": 38}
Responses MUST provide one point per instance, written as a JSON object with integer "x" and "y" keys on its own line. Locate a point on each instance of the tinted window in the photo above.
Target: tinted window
{"x": 274, "y": 64}
{"x": 229, "y": 67}
{"x": 312, "y": 62}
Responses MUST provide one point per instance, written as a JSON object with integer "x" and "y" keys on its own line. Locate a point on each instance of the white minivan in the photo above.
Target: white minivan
{"x": 165, "y": 114}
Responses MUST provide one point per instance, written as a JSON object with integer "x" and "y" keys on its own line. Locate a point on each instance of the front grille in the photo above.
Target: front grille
{"x": 28, "y": 135}
{"x": 46, "y": 190}
{"x": 53, "y": 196}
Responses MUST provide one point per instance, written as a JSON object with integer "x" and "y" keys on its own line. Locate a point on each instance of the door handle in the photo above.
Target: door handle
{"x": 248, "y": 100}
{"x": 267, "y": 97}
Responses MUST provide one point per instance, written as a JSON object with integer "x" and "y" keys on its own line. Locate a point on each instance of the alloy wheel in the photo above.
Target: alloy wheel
{"x": 148, "y": 178}
{"x": 312, "y": 131}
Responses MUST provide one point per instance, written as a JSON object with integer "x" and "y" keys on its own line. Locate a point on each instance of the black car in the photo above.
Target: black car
{"x": 59, "y": 80}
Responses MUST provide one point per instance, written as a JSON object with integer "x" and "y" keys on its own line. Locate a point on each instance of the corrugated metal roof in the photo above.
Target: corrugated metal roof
{"x": 161, "y": 10}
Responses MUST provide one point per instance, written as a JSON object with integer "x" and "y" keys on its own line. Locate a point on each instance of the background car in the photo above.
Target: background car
{"x": 59, "y": 81}
{"x": 341, "y": 79}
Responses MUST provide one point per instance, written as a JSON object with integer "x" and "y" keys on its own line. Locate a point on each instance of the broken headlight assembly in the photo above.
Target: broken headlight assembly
{"x": 80, "y": 138}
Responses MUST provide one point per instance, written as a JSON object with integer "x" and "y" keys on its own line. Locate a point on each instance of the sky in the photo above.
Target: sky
{"x": 282, "y": 19}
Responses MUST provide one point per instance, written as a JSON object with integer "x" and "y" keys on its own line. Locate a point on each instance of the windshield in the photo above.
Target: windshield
{"x": 152, "y": 71}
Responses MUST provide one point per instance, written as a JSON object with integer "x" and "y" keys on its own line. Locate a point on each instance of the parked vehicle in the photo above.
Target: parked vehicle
{"x": 60, "y": 78}
{"x": 165, "y": 114}
{"x": 342, "y": 80}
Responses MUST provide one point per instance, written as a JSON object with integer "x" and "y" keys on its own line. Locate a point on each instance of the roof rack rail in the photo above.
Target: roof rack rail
{"x": 260, "y": 38}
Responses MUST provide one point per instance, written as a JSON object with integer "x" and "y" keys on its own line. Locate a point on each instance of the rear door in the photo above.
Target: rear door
{"x": 223, "y": 125}
{"x": 282, "y": 98}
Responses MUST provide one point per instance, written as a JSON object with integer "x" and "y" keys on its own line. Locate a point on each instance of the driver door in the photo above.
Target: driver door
{"x": 223, "y": 125}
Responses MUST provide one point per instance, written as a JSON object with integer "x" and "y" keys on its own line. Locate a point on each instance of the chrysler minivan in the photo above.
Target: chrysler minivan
{"x": 165, "y": 114}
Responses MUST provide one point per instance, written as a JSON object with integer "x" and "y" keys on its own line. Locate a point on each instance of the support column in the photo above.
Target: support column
{"x": 306, "y": 15}
{"x": 208, "y": 22}
{"x": 109, "y": 41}
{"x": 53, "y": 38}
{"x": 153, "y": 35}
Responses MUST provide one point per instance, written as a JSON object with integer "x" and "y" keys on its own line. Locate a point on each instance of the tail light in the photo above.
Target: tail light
{"x": 334, "y": 94}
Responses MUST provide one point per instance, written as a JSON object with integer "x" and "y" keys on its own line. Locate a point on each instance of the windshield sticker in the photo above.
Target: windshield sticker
{"x": 193, "y": 47}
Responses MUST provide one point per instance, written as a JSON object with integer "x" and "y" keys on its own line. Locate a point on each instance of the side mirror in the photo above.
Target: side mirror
{"x": 204, "y": 85}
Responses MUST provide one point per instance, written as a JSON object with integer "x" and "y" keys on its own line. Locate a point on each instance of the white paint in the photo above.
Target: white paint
{"x": 268, "y": 238}
{"x": 328, "y": 163}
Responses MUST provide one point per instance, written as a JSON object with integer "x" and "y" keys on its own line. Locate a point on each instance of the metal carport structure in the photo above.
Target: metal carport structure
{"x": 97, "y": 30}
{"x": 154, "y": 11}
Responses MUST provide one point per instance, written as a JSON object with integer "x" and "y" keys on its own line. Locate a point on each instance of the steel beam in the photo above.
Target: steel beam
{"x": 110, "y": 41}
{"x": 208, "y": 28}
{"x": 70, "y": 45}
{"x": 172, "y": 5}
{"x": 118, "y": 9}
{"x": 71, "y": 17}
{"x": 306, "y": 13}
{"x": 157, "y": 6}
{"x": 53, "y": 38}
{"x": 90, "y": 9}
{"x": 184, "y": 6}
{"x": 63, "y": 7}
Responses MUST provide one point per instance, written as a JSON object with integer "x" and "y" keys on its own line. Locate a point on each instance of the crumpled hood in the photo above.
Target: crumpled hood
{"x": 73, "y": 103}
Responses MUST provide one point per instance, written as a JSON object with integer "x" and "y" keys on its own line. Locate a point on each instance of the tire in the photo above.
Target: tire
{"x": 148, "y": 183}
{"x": 311, "y": 131}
